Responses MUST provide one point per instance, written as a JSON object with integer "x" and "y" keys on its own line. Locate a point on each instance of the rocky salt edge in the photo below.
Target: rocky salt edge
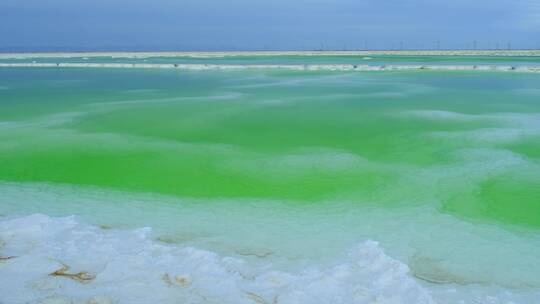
{"x": 59, "y": 260}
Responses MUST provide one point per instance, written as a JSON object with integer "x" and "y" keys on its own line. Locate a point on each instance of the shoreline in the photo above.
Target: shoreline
{"x": 109, "y": 260}
{"x": 292, "y": 67}
{"x": 22, "y": 55}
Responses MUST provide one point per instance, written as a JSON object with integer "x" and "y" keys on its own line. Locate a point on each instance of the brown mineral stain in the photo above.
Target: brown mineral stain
{"x": 82, "y": 277}
{"x": 182, "y": 281}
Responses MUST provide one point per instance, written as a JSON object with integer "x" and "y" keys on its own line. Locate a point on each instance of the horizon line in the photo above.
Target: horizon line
{"x": 262, "y": 51}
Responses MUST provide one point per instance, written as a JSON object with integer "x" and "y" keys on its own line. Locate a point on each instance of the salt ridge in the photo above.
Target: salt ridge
{"x": 60, "y": 260}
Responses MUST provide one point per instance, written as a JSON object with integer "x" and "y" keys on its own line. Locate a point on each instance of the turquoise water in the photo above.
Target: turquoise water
{"x": 287, "y": 171}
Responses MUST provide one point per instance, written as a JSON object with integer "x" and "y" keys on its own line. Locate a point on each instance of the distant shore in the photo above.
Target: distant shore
{"x": 270, "y": 53}
{"x": 357, "y": 61}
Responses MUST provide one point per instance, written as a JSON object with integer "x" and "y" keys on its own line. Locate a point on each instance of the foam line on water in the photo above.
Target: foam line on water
{"x": 293, "y": 67}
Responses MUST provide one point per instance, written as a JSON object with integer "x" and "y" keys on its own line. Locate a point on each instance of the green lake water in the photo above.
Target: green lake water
{"x": 441, "y": 168}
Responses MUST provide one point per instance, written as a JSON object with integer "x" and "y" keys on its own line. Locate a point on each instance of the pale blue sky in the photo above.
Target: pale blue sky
{"x": 262, "y": 24}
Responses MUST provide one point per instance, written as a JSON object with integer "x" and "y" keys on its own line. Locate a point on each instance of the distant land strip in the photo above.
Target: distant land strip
{"x": 271, "y": 53}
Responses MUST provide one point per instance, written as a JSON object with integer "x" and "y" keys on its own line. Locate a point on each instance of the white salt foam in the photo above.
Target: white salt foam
{"x": 59, "y": 260}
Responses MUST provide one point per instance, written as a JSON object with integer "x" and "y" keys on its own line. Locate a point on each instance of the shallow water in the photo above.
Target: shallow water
{"x": 306, "y": 176}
